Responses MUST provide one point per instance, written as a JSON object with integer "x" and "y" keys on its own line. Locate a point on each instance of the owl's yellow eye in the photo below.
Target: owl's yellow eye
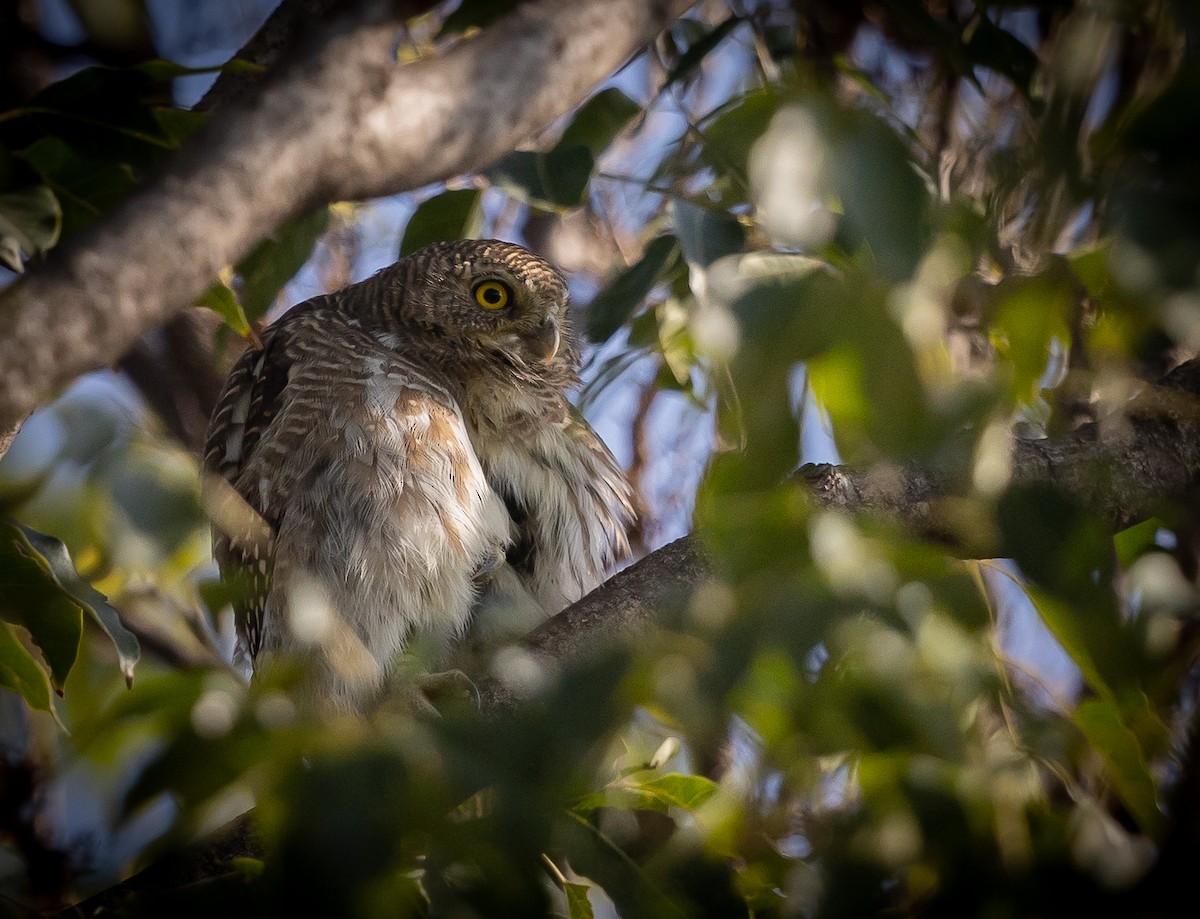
{"x": 492, "y": 295}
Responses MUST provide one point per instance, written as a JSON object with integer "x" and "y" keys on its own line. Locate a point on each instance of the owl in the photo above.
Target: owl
{"x": 397, "y": 464}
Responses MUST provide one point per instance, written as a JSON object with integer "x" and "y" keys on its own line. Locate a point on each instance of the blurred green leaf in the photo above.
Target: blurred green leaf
{"x": 1029, "y": 313}
{"x": 706, "y": 235}
{"x": 223, "y": 301}
{"x": 598, "y": 121}
{"x": 58, "y": 561}
{"x": 1101, "y": 722}
{"x": 276, "y": 260}
{"x": 578, "y": 905}
{"x": 21, "y": 673}
{"x": 85, "y": 186}
{"x": 628, "y": 290}
{"x": 551, "y": 181}
{"x": 731, "y": 132}
{"x": 455, "y": 214}
{"x": 30, "y": 220}
{"x": 658, "y": 793}
{"x": 30, "y": 597}
{"x": 886, "y": 205}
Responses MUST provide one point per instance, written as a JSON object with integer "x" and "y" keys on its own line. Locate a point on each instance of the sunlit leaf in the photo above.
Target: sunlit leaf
{"x": 578, "y": 904}
{"x": 659, "y": 793}
{"x": 223, "y": 301}
{"x": 1102, "y": 724}
{"x": 21, "y": 673}
{"x": 30, "y": 220}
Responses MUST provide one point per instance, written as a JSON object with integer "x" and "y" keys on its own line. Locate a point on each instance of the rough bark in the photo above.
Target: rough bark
{"x": 342, "y": 120}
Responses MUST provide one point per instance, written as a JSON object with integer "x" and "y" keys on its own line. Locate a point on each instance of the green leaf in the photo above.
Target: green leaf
{"x": 706, "y": 235}
{"x": 30, "y": 597}
{"x": 625, "y": 293}
{"x": 730, "y": 133}
{"x": 85, "y": 186}
{"x": 58, "y": 560}
{"x": 455, "y": 214}
{"x": 578, "y": 905}
{"x": 276, "y": 260}
{"x": 1101, "y": 723}
{"x": 21, "y": 673}
{"x": 550, "y": 181}
{"x": 1135, "y": 541}
{"x": 660, "y": 794}
{"x": 222, "y": 301}
{"x": 1030, "y": 313}
{"x": 30, "y": 221}
{"x": 598, "y": 121}
{"x": 886, "y": 205}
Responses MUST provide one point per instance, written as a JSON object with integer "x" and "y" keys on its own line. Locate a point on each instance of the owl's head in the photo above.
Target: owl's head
{"x": 495, "y": 295}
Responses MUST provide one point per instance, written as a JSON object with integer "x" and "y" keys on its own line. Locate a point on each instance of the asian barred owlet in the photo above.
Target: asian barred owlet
{"x": 409, "y": 467}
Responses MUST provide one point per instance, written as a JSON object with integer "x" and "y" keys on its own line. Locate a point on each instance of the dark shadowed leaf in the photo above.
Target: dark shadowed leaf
{"x": 30, "y": 597}
{"x": 598, "y": 121}
{"x": 550, "y": 181}
{"x": 85, "y": 186}
{"x": 706, "y": 235}
{"x": 275, "y": 261}
{"x": 58, "y": 560}
{"x": 998, "y": 49}
{"x": 1068, "y": 554}
{"x": 628, "y": 290}
{"x": 455, "y": 214}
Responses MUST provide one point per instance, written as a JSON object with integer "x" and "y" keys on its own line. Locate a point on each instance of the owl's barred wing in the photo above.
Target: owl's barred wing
{"x": 244, "y": 527}
{"x": 357, "y": 459}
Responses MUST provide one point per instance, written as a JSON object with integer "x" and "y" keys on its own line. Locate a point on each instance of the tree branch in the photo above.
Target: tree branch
{"x": 1125, "y": 467}
{"x": 343, "y": 120}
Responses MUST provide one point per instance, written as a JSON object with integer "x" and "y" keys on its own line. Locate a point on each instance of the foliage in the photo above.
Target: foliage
{"x": 911, "y": 231}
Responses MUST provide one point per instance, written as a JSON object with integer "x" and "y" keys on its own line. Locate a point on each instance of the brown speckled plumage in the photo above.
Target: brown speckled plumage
{"x": 416, "y": 464}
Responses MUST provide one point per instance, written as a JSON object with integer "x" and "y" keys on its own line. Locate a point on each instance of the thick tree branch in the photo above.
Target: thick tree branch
{"x": 342, "y": 121}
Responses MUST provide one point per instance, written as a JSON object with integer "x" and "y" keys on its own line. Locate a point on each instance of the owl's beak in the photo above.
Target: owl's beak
{"x": 544, "y": 341}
